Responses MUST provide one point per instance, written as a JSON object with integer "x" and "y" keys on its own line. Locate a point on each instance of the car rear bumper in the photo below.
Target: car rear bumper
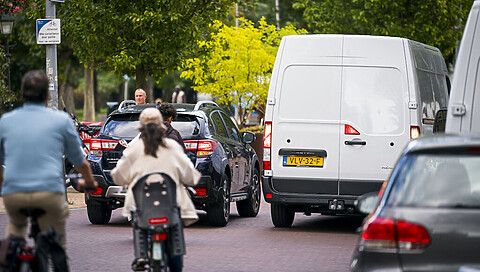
{"x": 211, "y": 196}
{"x": 307, "y": 196}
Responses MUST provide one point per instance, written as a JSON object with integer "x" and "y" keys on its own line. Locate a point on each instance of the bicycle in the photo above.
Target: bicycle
{"x": 161, "y": 222}
{"x": 27, "y": 257}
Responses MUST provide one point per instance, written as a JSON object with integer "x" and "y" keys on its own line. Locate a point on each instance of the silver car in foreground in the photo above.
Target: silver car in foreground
{"x": 428, "y": 215}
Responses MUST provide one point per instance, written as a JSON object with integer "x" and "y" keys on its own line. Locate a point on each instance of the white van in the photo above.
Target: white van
{"x": 340, "y": 109}
{"x": 463, "y": 116}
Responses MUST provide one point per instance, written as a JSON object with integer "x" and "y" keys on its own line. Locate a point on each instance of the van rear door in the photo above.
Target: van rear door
{"x": 305, "y": 118}
{"x": 374, "y": 113}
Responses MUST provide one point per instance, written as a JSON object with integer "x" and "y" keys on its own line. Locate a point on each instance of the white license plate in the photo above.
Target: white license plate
{"x": 157, "y": 251}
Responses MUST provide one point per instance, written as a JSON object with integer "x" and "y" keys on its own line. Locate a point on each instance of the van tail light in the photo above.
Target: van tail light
{"x": 99, "y": 145}
{"x": 414, "y": 132}
{"x": 267, "y": 146}
{"x": 202, "y": 147}
{"x": 386, "y": 233}
{"x": 349, "y": 130}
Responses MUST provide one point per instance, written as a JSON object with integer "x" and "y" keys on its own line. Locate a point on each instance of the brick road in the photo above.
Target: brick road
{"x": 316, "y": 243}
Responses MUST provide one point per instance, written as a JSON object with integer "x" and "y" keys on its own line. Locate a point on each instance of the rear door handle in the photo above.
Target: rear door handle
{"x": 355, "y": 143}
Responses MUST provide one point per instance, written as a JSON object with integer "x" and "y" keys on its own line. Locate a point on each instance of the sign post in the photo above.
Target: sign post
{"x": 51, "y": 48}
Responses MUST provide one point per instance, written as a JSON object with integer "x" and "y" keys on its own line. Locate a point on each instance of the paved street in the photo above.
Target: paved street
{"x": 316, "y": 243}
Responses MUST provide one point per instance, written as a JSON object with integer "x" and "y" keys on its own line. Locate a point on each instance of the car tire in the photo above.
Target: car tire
{"x": 219, "y": 213}
{"x": 250, "y": 206}
{"x": 98, "y": 213}
{"x": 282, "y": 215}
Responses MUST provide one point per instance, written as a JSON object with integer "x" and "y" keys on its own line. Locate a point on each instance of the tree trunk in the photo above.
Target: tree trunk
{"x": 65, "y": 93}
{"x": 141, "y": 77}
{"x": 89, "y": 98}
{"x": 149, "y": 90}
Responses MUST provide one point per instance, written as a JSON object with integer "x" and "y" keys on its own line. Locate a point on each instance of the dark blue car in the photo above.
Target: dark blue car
{"x": 229, "y": 166}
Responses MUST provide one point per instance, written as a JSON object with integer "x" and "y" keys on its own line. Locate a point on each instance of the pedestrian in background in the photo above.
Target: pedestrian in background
{"x": 178, "y": 95}
{"x": 140, "y": 96}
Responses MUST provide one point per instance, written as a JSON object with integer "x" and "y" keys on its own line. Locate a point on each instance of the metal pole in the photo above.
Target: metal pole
{"x": 125, "y": 92}
{"x": 277, "y": 13}
{"x": 7, "y": 52}
{"x": 51, "y": 61}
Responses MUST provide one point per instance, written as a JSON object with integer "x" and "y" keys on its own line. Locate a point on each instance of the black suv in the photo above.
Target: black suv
{"x": 229, "y": 166}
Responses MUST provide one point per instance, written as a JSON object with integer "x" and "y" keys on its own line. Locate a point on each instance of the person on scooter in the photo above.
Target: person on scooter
{"x": 155, "y": 152}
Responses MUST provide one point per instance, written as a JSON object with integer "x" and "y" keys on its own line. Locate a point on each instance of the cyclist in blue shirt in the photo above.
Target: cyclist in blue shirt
{"x": 33, "y": 139}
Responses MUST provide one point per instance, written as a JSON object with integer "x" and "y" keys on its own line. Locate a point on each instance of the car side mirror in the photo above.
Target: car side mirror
{"x": 440, "y": 120}
{"x": 367, "y": 203}
{"x": 248, "y": 137}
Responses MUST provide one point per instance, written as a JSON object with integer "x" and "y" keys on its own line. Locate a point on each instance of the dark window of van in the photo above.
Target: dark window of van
{"x": 431, "y": 71}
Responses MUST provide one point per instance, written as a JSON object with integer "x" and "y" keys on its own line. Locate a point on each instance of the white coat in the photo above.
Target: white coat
{"x": 172, "y": 160}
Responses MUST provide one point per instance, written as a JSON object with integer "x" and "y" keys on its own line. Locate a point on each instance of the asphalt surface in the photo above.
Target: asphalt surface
{"x": 314, "y": 243}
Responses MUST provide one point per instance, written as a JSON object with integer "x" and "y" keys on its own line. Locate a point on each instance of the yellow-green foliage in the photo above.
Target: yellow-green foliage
{"x": 237, "y": 65}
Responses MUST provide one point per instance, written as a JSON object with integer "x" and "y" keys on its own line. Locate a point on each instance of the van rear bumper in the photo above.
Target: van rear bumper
{"x": 301, "y": 198}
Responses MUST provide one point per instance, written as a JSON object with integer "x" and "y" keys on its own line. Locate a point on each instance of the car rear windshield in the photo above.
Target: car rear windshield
{"x": 438, "y": 180}
{"x": 122, "y": 126}
{"x": 187, "y": 125}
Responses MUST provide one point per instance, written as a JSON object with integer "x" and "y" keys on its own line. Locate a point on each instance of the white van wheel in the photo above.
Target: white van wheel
{"x": 282, "y": 216}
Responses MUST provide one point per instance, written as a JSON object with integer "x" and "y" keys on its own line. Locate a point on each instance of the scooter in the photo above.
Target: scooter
{"x": 157, "y": 215}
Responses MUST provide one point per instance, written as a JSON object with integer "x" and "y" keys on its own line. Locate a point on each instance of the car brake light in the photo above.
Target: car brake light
{"x": 190, "y": 145}
{"x": 202, "y": 147}
{"x": 160, "y": 236}
{"x": 98, "y": 145}
{"x": 109, "y": 144}
{"x": 414, "y": 132}
{"x": 349, "y": 130}
{"x": 201, "y": 191}
{"x": 387, "y": 233}
{"x": 98, "y": 191}
{"x": 267, "y": 145}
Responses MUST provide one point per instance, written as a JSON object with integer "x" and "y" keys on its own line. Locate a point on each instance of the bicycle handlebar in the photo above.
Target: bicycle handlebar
{"x": 74, "y": 180}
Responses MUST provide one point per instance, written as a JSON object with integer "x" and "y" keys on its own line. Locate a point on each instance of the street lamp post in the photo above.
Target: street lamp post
{"x": 6, "y": 26}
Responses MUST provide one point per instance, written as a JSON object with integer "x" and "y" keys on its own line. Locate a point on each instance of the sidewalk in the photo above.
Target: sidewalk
{"x": 75, "y": 200}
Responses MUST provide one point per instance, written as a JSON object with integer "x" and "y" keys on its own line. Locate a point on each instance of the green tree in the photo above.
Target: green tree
{"x": 141, "y": 38}
{"x": 237, "y": 64}
{"x": 438, "y": 23}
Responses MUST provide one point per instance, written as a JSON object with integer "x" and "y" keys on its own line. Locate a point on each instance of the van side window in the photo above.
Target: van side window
{"x": 232, "y": 129}
{"x": 219, "y": 127}
{"x": 432, "y": 82}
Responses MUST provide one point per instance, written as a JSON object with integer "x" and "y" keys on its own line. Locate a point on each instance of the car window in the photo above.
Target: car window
{"x": 123, "y": 126}
{"x": 433, "y": 180}
{"x": 219, "y": 127}
{"x": 231, "y": 128}
{"x": 186, "y": 125}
